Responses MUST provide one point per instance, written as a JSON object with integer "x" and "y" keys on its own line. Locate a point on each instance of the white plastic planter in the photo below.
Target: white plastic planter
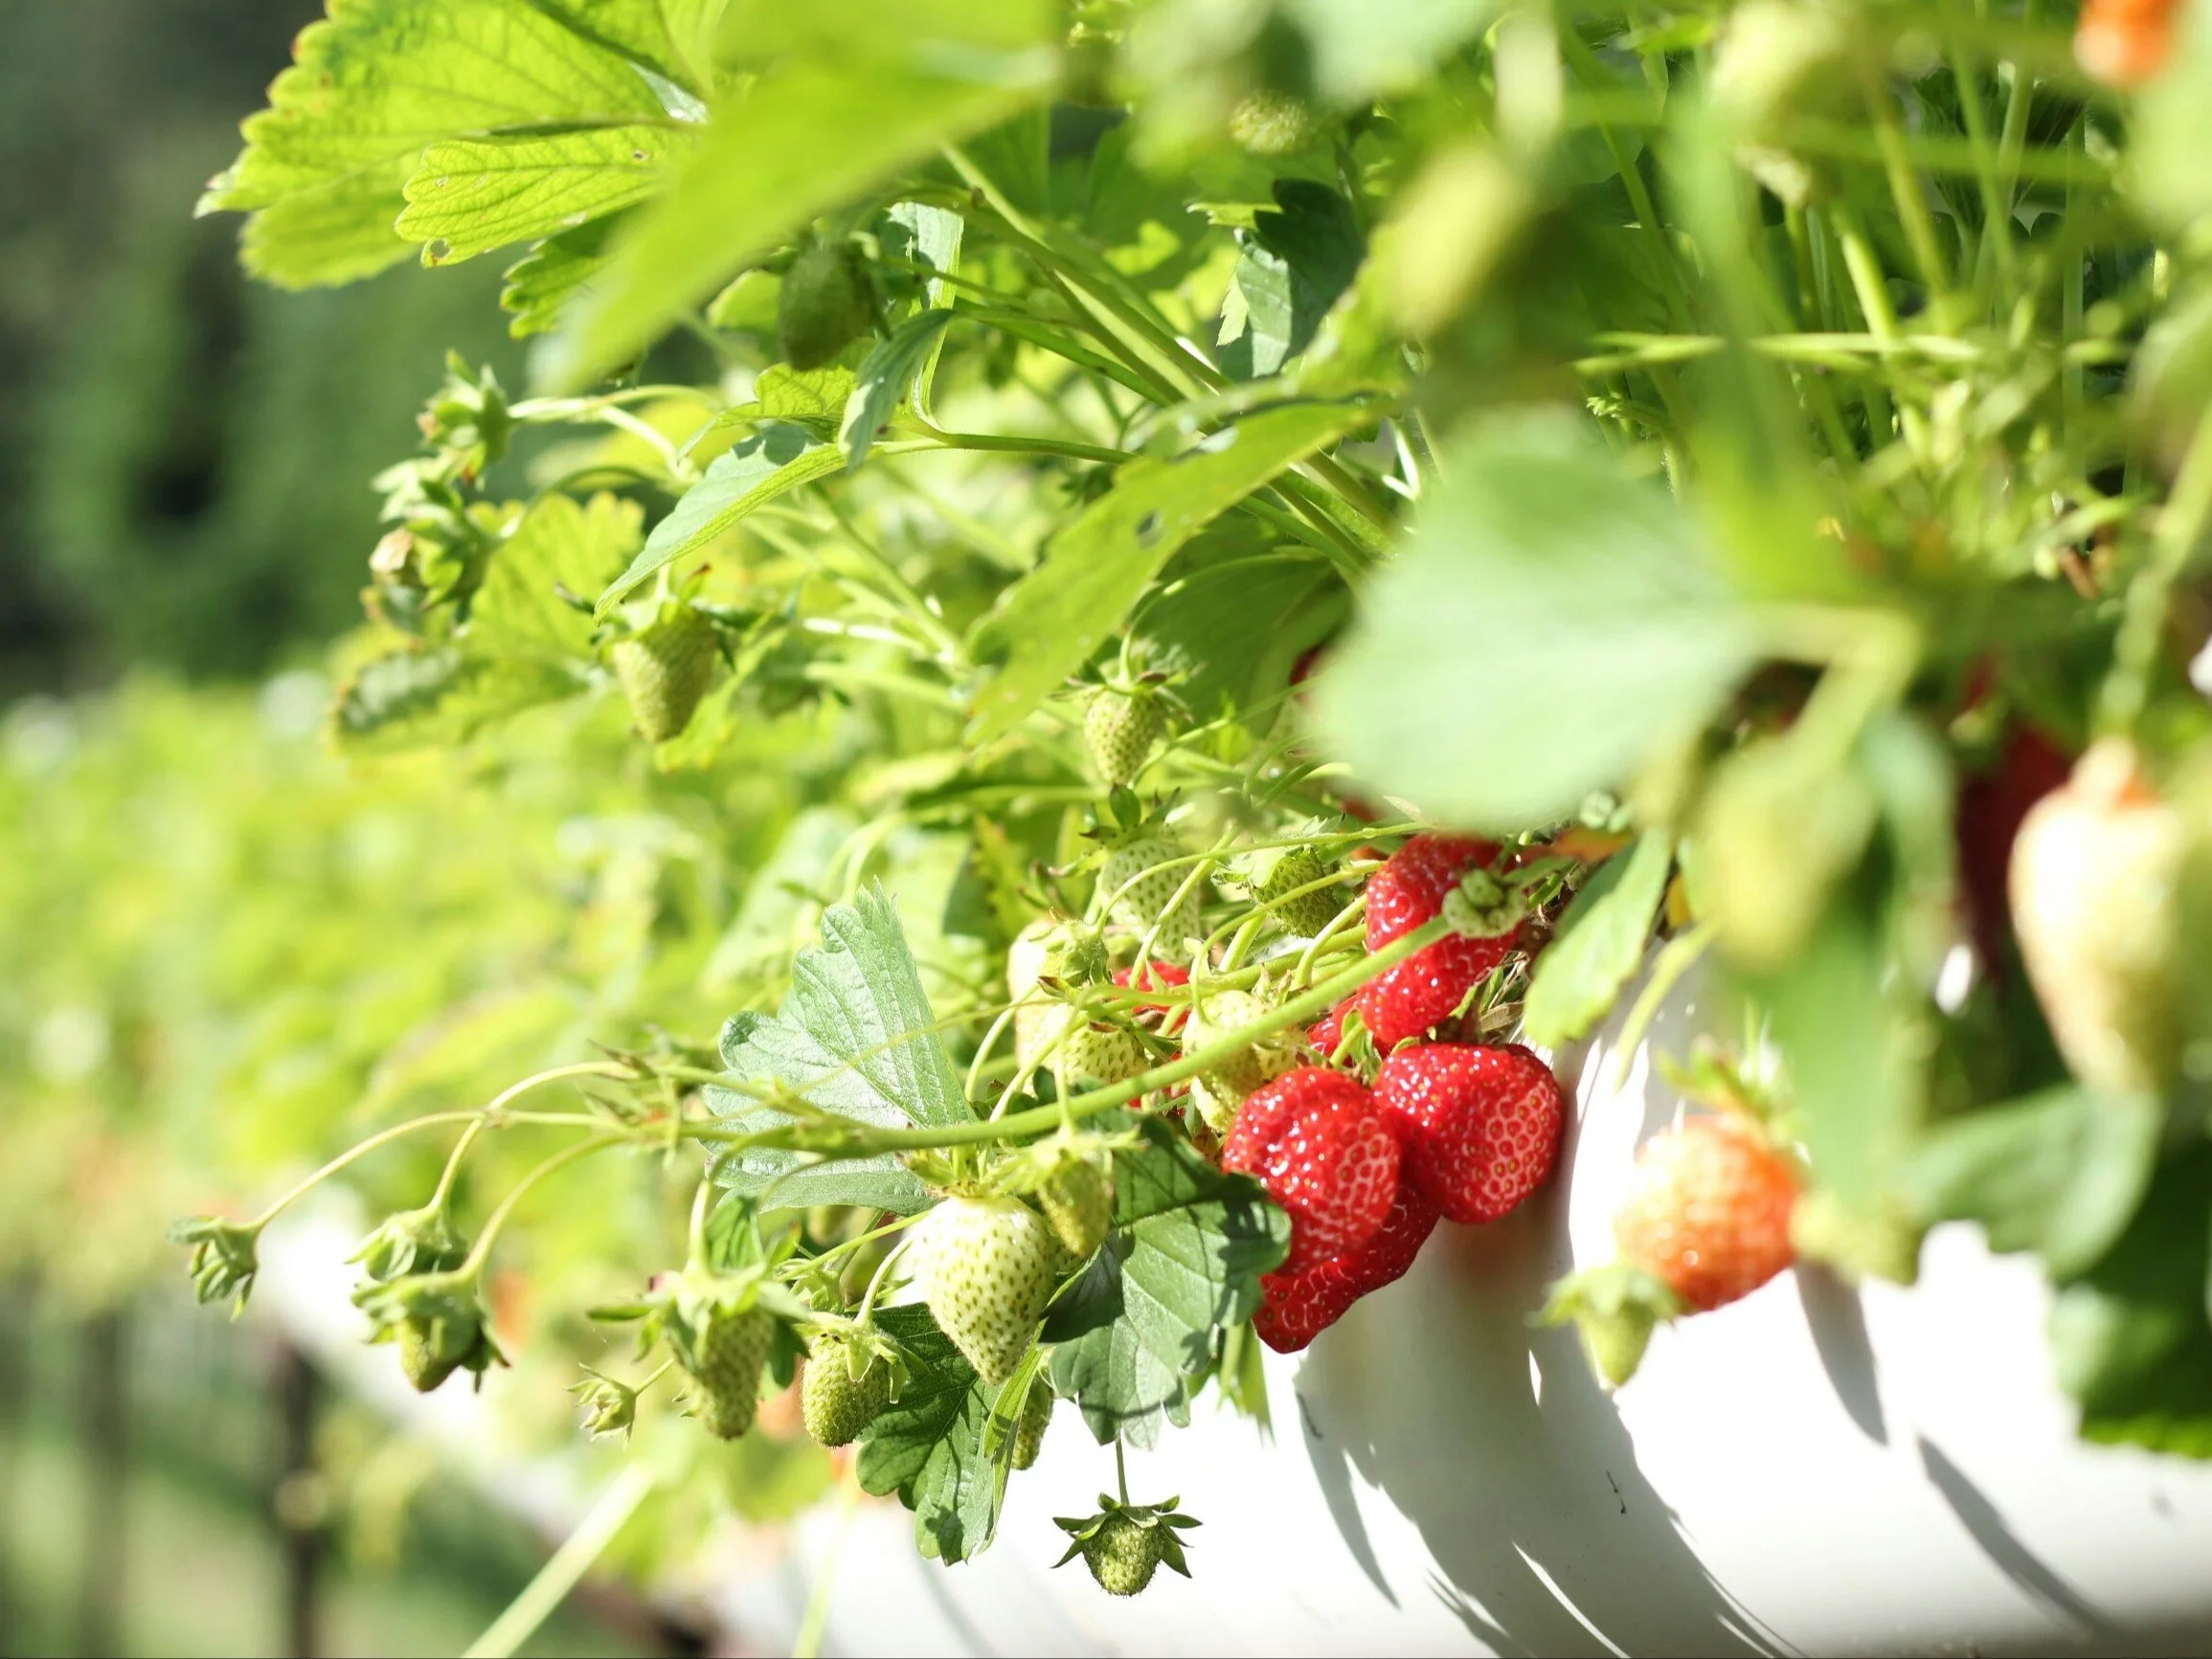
{"x": 1814, "y": 1469}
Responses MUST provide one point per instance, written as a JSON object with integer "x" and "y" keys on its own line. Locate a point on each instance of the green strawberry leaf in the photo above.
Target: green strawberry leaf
{"x": 471, "y": 195}
{"x": 869, "y": 97}
{"x": 856, "y": 1037}
{"x": 1046, "y": 626}
{"x": 1296, "y": 260}
{"x": 927, "y": 1446}
{"x": 890, "y": 368}
{"x": 673, "y": 36}
{"x": 326, "y": 165}
{"x": 1858, "y": 1076}
{"x": 775, "y": 462}
{"x": 518, "y": 610}
{"x": 2132, "y": 1340}
{"x": 1536, "y": 563}
{"x": 1143, "y": 1324}
{"x": 416, "y": 697}
{"x": 2060, "y": 1173}
{"x": 1231, "y": 616}
{"x": 552, "y": 274}
{"x": 813, "y": 398}
{"x": 1600, "y": 943}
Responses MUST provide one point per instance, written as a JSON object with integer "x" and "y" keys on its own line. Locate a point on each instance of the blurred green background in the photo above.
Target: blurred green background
{"x": 184, "y": 509}
{"x": 184, "y": 457}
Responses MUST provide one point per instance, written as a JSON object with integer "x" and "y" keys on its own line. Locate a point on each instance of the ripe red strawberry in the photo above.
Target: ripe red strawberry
{"x": 1295, "y": 1308}
{"x": 1482, "y": 1125}
{"x": 1327, "y": 1152}
{"x": 1156, "y": 975}
{"x": 1408, "y": 891}
{"x": 1707, "y": 1211}
{"x": 1990, "y": 809}
{"x": 1326, "y": 1032}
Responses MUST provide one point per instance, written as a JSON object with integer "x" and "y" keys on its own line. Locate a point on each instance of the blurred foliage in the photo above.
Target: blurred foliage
{"x": 184, "y": 457}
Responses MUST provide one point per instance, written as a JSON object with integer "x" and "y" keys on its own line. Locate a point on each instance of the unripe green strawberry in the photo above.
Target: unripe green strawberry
{"x": 826, "y": 304}
{"x": 1292, "y": 868}
{"x": 665, "y": 669}
{"x": 731, "y": 1348}
{"x": 1122, "y": 1556}
{"x": 985, "y": 1269}
{"x": 1123, "y": 1544}
{"x": 1078, "y": 1204}
{"x": 1093, "y": 1055}
{"x": 1274, "y": 124}
{"x": 836, "y": 1404}
{"x": 1121, "y": 728}
{"x": 1036, "y": 1418}
{"x": 2095, "y": 881}
{"x": 1221, "y": 1089}
{"x": 426, "y": 1361}
{"x": 1137, "y": 894}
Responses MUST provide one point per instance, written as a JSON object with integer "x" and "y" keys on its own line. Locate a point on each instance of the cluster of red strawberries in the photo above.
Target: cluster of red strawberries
{"x": 1451, "y": 1130}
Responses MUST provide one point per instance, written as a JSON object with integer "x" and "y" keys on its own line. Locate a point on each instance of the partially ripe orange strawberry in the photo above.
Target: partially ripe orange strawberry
{"x": 1707, "y": 1211}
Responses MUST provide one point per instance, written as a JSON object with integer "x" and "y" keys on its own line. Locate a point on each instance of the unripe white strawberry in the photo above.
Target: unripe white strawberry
{"x": 1136, "y": 892}
{"x": 1093, "y": 1055}
{"x": 985, "y": 1269}
{"x": 2096, "y": 880}
{"x": 1121, "y": 728}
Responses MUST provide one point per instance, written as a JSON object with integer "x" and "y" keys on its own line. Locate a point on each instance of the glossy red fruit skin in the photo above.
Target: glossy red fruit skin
{"x": 1408, "y": 891}
{"x": 1708, "y": 1211}
{"x": 1326, "y": 1032}
{"x": 1157, "y": 976}
{"x": 1482, "y": 1125}
{"x": 1327, "y": 1152}
{"x": 1296, "y": 1307}
{"x": 1991, "y": 810}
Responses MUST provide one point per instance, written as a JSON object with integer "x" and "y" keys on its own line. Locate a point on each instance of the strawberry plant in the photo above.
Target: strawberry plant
{"x": 1707, "y": 442}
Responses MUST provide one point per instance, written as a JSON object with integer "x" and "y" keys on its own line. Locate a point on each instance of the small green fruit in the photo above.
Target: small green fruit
{"x": 1274, "y": 124}
{"x": 730, "y": 1350}
{"x": 1121, "y": 728}
{"x": 665, "y": 669}
{"x": 836, "y": 1404}
{"x": 1036, "y": 1418}
{"x": 1308, "y": 913}
{"x": 826, "y": 304}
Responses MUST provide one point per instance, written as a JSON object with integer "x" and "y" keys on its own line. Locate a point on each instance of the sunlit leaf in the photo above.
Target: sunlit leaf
{"x": 1050, "y": 621}
{"x": 1550, "y": 625}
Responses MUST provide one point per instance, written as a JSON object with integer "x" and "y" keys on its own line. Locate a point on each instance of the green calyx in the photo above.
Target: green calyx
{"x": 1616, "y": 1308}
{"x": 437, "y": 1321}
{"x": 1123, "y": 1544}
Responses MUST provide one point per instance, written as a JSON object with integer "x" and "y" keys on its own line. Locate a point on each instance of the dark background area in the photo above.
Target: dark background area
{"x": 184, "y": 457}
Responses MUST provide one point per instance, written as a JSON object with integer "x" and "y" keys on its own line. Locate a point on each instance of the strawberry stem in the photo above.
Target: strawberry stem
{"x": 862, "y": 1141}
